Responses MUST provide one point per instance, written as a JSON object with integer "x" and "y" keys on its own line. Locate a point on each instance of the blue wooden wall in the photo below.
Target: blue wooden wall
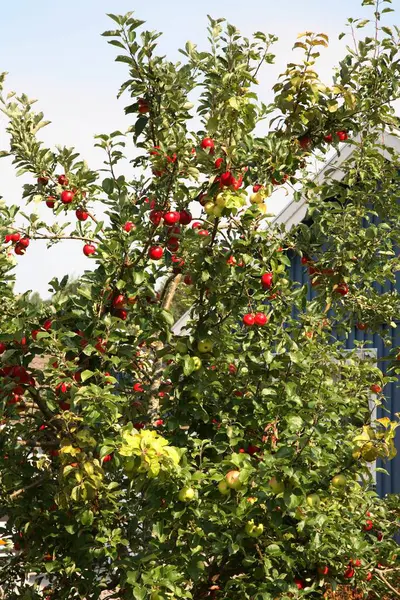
{"x": 385, "y": 484}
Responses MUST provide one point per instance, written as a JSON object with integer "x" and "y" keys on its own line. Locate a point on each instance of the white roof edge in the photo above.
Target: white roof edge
{"x": 295, "y": 211}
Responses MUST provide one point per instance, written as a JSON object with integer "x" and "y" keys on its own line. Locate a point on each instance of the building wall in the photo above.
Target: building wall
{"x": 385, "y": 484}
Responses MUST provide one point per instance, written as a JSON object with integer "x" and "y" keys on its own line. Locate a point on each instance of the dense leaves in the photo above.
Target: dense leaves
{"x": 231, "y": 458}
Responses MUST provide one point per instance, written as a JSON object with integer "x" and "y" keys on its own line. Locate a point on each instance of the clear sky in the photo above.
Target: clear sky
{"x": 53, "y": 52}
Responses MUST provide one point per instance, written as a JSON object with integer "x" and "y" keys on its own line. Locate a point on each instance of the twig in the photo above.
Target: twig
{"x": 27, "y": 487}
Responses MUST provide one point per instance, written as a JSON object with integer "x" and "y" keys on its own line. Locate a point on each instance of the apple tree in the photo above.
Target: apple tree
{"x": 231, "y": 459}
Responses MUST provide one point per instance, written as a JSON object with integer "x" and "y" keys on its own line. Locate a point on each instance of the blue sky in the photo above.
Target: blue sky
{"x": 53, "y": 51}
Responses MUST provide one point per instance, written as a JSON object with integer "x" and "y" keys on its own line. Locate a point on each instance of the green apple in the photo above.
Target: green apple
{"x": 223, "y": 488}
{"x": 254, "y": 530}
{"x": 278, "y": 487}
{"x": 232, "y": 480}
{"x": 220, "y": 200}
{"x": 209, "y": 207}
{"x": 339, "y": 481}
{"x": 313, "y": 501}
{"x": 186, "y": 494}
{"x": 205, "y": 346}
{"x": 197, "y": 363}
{"x": 256, "y": 198}
{"x": 217, "y": 211}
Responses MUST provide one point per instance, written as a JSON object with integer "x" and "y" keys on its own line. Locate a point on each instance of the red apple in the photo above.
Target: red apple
{"x": 300, "y": 584}
{"x": 137, "y": 387}
{"x": 260, "y": 319}
{"x": 361, "y": 326}
{"x": 50, "y": 202}
{"x": 304, "y": 142}
{"x": 143, "y": 106}
{"x": 172, "y": 217}
{"x": 67, "y": 196}
{"x": 342, "y": 135}
{"x": 249, "y": 319}
{"x": 368, "y": 525}
{"x": 20, "y": 250}
{"x": 328, "y": 138}
{"x": 349, "y": 573}
{"x": 185, "y": 217}
{"x": 155, "y": 217}
{"x": 208, "y": 144}
{"x": 218, "y": 163}
{"x": 323, "y": 570}
{"x": 188, "y": 280}
{"x": 226, "y": 179}
{"x": 342, "y": 289}
{"x": 24, "y": 242}
{"x": 63, "y": 180}
{"x": 128, "y": 226}
{"x": 196, "y": 225}
{"x": 257, "y": 187}
{"x": 119, "y": 301}
{"x": 89, "y": 249}
{"x": 3, "y": 347}
{"x": 121, "y": 313}
{"x": 266, "y": 280}
{"x": 375, "y": 388}
{"x": 42, "y": 180}
{"x": 81, "y": 214}
{"x": 107, "y": 458}
{"x": 203, "y": 232}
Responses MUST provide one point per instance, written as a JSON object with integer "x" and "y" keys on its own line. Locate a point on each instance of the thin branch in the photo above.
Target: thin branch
{"x": 35, "y": 483}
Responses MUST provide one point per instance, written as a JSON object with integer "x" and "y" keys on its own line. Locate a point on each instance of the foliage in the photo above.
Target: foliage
{"x": 231, "y": 461}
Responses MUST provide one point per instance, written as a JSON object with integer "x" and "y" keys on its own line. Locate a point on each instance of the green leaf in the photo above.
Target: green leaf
{"x": 87, "y": 517}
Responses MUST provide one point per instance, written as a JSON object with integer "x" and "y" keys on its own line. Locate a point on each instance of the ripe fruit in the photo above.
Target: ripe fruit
{"x": 266, "y": 280}
{"x": 128, "y": 226}
{"x": 42, "y": 180}
{"x": 375, "y": 388}
{"x": 342, "y": 135}
{"x": 186, "y": 494}
{"x": 249, "y": 319}
{"x": 143, "y": 107}
{"x": 304, "y": 142}
{"x": 232, "y": 480}
{"x": 121, "y": 313}
{"x": 81, "y": 214}
{"x": 24, "y": 242}
{"x": 349, "y": 573}
{"x": 208, "y": 144}
{"x": 253, "y": 530}
{"x": 119, "y": 301}
{"x": 203, "y": 232}
{"x": 15, "y": 237}
{"x": 20, "y": 250}
{"x": 67, "y": 197}
{"x": 260, "y": 319}
{"x": 156, "y": 252}
{"x": 339, "y": 481}
{"x": 185, "y": 217}
{"x": 300, "y": 584}
{"x": 278, "y": 487}
{"x": 62, "y": 180}
{"x": 172, "y": 217}
{"x": 50, "y": 202}
{"x": 155, "y": 217}
{"x": 88, "y": 249}
{"x": 226, "y": 179}
{"x": 361, "y": 326}
{"x": 368, "y": 525}
{"x": 223, "y": 488}
{"x": 369, "y": 576}
{"x": 257, "y": 187}
{"x": 196, "y": 225}
{"x": 137, "y": 387}
{"x": 313, "y": 501}
{"x": 218, "y": 163}
{"x": 328, "y": 138}
{"x": 205, "y": 346}
{"x": 323, "y": 570}
{"x": 107, "y": 458}
{"x": 342, "y": 289}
